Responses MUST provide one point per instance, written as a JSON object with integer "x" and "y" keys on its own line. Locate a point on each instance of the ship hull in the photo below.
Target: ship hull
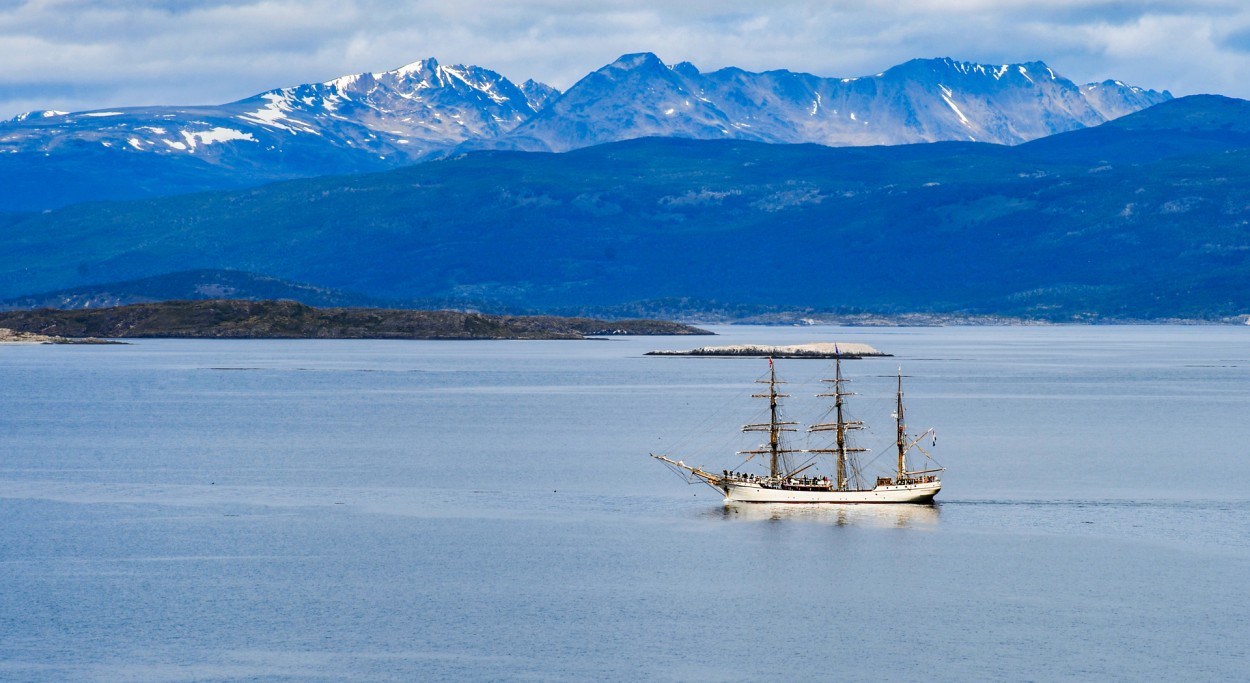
{"x": 748, "y": 492}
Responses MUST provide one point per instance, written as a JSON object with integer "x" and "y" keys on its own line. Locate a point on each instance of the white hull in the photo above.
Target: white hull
{"x": 752, "y": 492}
{"x": 884, "y": 516}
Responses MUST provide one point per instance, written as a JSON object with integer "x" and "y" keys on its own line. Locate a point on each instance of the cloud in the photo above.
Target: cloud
{"x": 83, "y": 54}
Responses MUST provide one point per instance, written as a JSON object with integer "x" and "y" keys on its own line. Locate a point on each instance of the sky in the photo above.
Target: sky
{"x": 77, "y": 55}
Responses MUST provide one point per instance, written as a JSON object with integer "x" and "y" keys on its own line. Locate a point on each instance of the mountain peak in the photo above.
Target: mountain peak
{"x": 637, "y": 60}
{"x": 686, "y": 69}
{"x": 539, "y": 94}
{"x": 420, "y": 66}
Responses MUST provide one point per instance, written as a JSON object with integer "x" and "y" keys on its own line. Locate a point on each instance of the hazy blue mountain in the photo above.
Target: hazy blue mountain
{"x": 924, "y": 100}
{"x": 193, "y": 285}
{"x": 1201, "y": 124}
{"x": 538, "y": 94}
{"x": 1113, "y": 99}
{"x": 1076, "y": 226}
{"x": 377, "y": 121}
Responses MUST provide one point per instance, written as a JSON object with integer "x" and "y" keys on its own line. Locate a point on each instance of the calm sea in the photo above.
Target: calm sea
{"x": 179, "y": 510}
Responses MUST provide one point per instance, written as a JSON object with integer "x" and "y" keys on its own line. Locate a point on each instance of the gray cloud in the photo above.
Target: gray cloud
{"x": 84, "y": 54}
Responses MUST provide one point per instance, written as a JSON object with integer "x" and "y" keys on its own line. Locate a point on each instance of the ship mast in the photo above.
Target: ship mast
{"x": 839, "y": 425}
{"x": 774, "y": 426}
{"x": 902, "y": 428}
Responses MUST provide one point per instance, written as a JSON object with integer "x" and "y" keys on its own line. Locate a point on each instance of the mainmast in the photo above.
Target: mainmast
{"x": 840, "y": 425}
{"x": 774, "y": 426}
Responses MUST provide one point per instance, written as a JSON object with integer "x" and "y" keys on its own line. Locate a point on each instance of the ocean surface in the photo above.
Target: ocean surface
{"x": 195, "y": 510}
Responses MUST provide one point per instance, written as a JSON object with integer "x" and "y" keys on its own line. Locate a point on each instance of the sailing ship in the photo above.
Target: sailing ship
{"x": 786, "y": 482}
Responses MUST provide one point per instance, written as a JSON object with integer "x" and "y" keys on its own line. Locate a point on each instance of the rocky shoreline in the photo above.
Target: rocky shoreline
{"x": 238, "y": 319}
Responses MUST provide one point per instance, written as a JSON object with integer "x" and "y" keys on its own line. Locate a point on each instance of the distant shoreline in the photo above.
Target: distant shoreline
{"x": 236, "y": 319}
{"x": 945, "y": 320}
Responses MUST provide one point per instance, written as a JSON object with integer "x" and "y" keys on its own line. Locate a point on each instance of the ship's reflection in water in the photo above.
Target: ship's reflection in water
{"x": 878, "y": 516}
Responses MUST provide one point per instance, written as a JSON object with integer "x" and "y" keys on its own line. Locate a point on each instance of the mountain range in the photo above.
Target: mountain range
{"x": 425, "y": 110}
{"x": 1144, "y": 217}
{"x": 923, "y": 100}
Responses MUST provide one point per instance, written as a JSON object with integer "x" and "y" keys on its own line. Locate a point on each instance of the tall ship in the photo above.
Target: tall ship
{"x": 794, "y": 480}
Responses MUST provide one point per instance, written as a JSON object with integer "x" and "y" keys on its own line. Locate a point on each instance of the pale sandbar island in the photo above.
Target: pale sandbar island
{"x": 816, "y": 350}
{"x": 8, "y": 336}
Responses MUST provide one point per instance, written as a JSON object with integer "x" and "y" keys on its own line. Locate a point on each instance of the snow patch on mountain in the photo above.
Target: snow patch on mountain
{"x": 276, "y": 113}
{"x": 45, "y": 114}
{"x": 962, "y": 119}
{"x": 214, "y": 135}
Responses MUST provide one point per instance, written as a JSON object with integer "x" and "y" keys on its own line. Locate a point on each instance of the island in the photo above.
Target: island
{"x": 816, "y": 350}
{"x": 241, "y": 319}
{"x": 8, "y": 336}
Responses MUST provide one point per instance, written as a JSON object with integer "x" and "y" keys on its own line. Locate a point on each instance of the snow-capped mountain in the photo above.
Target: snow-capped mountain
{"x": 375, "y": 121}
{"x": 1114, "y": 99}
{"x": 400, "y": 116}
{"x": 410, "y": 112}
{"x": 924, "y": 100}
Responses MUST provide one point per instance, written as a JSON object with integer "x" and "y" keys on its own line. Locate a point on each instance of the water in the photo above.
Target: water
{"x": 397, "y": 511}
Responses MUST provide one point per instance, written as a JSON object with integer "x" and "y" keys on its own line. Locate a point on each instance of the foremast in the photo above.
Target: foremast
{"x": 774, "y": 448}
{"x": 840, "y": 426}
{"x": 775, "y": 426}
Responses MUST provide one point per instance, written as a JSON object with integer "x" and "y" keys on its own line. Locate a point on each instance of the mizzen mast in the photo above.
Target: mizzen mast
{"x": 902, "y": 429}
{"x": 904, "y": 445}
